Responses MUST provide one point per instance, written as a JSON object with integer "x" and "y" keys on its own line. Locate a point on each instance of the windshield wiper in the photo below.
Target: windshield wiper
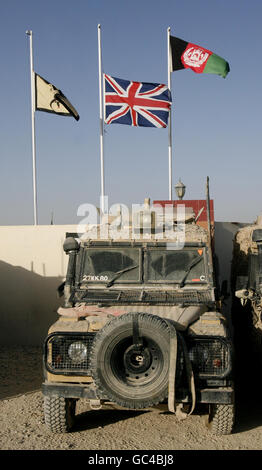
{"x": 192, "y": 264}
{"x": 119, "y": 273}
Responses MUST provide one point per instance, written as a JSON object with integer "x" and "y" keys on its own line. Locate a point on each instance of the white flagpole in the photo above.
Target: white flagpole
{"x": 101, "y": 119}
{"x": 32, "y": 75}
{"x": 169, "y": 123}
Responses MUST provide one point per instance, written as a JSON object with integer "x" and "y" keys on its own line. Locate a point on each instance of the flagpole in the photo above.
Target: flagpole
{"x": 32, "y": 75}
{"x": 101, "y": 119}
{"x": 169, "y": 121}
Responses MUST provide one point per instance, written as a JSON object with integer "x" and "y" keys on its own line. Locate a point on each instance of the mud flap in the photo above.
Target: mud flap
{"x": 172, "y": 407}
{"x": 172, "y": 369}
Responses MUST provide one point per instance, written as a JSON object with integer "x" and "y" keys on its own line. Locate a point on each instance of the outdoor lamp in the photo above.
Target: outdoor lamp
{"x": 180, "y": 189}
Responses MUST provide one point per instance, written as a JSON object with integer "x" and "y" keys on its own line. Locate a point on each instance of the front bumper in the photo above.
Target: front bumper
{"x": 221, "y": 395}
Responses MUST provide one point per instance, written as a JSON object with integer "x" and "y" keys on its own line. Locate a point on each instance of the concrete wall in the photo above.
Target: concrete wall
{"x": 33, "y": 264}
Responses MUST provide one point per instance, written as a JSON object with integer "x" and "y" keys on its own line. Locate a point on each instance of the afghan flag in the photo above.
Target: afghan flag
{"x": 187, "y": 55}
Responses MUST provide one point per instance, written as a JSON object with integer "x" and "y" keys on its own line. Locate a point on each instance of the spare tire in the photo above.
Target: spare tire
{"x": 130, "y": 360}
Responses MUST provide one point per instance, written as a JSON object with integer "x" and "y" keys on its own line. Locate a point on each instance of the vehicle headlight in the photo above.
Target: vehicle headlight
{"x": 68, "y": 353}
{"x": 198, "y": 354}
{"x": 210, "y": 356}
{"x": 77, "y": 352}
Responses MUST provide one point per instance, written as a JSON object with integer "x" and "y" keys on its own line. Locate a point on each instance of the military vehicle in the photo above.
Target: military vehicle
{"x": 247, "y": 290}
{"x": 142, "y": 326}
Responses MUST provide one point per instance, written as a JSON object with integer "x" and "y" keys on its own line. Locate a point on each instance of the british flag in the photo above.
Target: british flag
{"x": 136, "y": 103}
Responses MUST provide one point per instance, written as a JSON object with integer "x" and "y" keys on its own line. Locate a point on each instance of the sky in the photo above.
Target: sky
{"x": 216, "y": 122}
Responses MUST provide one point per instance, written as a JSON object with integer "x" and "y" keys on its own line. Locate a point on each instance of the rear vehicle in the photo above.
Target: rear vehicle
{"x": 247, "y": 291}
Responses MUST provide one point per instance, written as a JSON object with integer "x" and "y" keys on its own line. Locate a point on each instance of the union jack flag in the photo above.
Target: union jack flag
{"x": 136, "y": 103}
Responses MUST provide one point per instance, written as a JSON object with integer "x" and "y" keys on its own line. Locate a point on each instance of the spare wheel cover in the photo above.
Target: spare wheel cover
{"x": 130, "y": 360}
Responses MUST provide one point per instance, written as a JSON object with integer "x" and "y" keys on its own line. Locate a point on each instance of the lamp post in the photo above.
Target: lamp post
{"x": 180, "y": 189}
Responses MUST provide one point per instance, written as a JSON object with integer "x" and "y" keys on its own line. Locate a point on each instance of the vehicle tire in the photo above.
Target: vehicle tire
{"x": 127, "y": 374}
{"x": 221, "y": 419}
{"x": 59, "y": 413}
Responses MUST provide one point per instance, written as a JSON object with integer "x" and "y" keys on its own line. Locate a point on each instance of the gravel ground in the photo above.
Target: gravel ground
{"x": 23, "y": 428}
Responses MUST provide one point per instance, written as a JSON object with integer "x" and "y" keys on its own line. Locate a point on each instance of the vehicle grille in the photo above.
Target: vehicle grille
{"x": 58, "y": 353}
{"x": 210, "y": 357}
{"x": 158, "y": 297}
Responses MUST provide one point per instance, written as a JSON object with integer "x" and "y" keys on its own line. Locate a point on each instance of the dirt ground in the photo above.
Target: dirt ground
{"x": 23, "y": 428}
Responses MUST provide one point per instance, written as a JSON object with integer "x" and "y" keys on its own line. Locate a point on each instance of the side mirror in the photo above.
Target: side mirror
{"x": 257, "y": 236}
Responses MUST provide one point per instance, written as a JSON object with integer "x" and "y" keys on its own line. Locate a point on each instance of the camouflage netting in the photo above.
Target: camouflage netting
{"x": 193, "y": 233}
{"x": 243, "y": 238}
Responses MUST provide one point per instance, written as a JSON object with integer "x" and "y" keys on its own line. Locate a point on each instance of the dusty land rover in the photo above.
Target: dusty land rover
{"x": 141, "y": 326}
{"x": 246, "y": 277}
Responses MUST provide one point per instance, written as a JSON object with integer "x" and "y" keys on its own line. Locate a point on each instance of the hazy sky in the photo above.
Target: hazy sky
{"x": 216, "y": 121}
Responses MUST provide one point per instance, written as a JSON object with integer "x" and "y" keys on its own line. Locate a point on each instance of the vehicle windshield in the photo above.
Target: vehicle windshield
{"x": 111, "y": 264}
{"x": 179, "y": 266}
